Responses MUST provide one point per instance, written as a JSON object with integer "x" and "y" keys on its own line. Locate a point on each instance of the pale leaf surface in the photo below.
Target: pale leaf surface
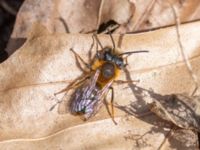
{"x": 31, "y": 76}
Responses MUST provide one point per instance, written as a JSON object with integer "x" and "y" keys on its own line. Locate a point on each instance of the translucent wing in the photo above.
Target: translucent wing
{"x": 87, "y": 99}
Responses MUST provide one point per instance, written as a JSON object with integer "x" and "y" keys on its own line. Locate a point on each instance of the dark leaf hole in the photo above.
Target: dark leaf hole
{"x": 108, "y": 25}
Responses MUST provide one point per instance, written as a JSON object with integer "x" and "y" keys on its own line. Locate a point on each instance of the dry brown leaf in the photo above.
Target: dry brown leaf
{"x": 31, "y": 76}
{"x": 86, "y": 16}
{"x": 181, "y": 139}
{"x": 180, "y": 109}
{"x": 68, "y": 16}
{"x": 150, "y": 14}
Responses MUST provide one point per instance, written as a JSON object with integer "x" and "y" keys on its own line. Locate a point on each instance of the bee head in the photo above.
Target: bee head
{"x": 107, "y": 55}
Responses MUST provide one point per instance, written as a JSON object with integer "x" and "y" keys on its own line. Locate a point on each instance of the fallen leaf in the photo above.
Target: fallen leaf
{"x": 181, "y": 139}
{"x": 67, "y": 16}
{"x": 151, "y": 14}
{"x": 180, "y": 109}
{"x": 44, "y": 65}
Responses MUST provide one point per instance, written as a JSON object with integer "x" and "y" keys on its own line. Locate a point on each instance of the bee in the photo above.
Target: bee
{"x": 93, "y": 88}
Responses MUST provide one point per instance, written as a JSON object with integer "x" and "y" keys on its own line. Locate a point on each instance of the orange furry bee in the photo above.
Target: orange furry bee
{"x": 92, "y": 89}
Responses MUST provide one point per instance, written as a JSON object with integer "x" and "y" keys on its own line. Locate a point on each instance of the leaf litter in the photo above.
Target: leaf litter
{"x": 27, "y": 107}
{"x": 28, "y": 100}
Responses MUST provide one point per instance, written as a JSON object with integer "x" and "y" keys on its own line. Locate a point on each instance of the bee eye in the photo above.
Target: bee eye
{"x": 107, "y": 56}
{"x": 119, "y": 62}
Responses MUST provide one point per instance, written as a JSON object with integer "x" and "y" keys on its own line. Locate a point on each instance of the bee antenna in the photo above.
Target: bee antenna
{"x": 129, "y": 53}
{"x": 113, "y": 42}
{"x": 98, "y": 40}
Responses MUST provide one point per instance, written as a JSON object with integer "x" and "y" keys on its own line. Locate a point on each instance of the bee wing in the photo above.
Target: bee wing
{"x": 97, "y": 103}
{"x": 94, "y": 79}
{"x": 106, "y": 88}
{"x": 64, "y": 103}
{"x": 104, "y": 91}
{"x": 81, "y": 97}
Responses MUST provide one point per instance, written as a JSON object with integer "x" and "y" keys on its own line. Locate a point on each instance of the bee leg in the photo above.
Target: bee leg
{"x": 94, "y": 41}
{"x": 98, "y": 41}
{"x": 72, "y": 85}
{"x": 81, "y": 59}
{"x": 126, "y": 61}
{"x": 112, "y": 106}
{"x": 52, "y": 107}
{"x": 128, "y": 81}
{"x": 90, "y": 50}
